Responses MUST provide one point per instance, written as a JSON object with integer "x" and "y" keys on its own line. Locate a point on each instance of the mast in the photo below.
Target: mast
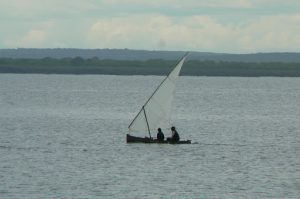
{"x": 147, "y": 121}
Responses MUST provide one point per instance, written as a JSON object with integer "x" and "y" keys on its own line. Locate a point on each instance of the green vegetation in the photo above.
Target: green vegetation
{"x": 94, "y": 65}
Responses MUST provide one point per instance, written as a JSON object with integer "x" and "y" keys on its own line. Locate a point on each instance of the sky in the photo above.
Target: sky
{"x": 224, "y": 26}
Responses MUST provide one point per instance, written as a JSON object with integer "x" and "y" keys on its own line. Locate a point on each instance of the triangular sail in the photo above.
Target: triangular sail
{"x": 157, "y": 110}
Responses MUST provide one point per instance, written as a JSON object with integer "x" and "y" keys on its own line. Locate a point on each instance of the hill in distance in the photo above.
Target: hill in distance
{"x": 142, "y": 55}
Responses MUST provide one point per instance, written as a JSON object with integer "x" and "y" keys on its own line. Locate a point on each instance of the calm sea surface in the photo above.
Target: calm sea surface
{"x": 63, "y": 136}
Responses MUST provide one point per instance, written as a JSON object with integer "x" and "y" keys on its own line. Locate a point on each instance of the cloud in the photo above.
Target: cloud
{"x": 271, "y": 33}
{"x": 222, "y": 4}
{"x": 149, "y": 32}
{"x": 196, "y": 33}
{"x": 222, "y": 26}
{"x": 34, "y": 38}
{"x": 155, "y": 31}
{"x": 44, "y": 9}
{"x": 183, "y": 4}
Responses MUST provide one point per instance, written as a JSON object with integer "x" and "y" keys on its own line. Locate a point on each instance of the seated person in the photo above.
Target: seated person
{"x": 160, "y": 135}
{"x": 175, "y": 136}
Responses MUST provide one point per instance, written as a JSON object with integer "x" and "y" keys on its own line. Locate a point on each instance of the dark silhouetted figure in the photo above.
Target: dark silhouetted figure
{"x": 160, "y": 135}
{"x": 175, "y": 136}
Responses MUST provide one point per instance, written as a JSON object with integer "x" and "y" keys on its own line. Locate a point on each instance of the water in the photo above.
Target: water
{"x": 63, "y": 136}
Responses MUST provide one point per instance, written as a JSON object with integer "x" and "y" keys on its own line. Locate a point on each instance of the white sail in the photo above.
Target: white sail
{"x": 156, "y": 111}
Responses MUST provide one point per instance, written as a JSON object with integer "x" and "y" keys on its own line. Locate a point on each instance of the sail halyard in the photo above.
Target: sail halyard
{"x": 158, "y": 105}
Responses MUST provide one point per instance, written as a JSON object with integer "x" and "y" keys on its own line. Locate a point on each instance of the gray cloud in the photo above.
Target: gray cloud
{"x": 226, "y": 26}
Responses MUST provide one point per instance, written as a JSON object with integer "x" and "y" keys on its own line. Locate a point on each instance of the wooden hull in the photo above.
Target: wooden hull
{"x": 133, "y": 139}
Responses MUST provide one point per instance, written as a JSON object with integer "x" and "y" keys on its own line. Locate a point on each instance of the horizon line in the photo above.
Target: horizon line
{"x": 154, "y": 50}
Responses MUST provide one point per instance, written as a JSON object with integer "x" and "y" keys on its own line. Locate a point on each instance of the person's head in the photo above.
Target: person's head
{"x": 159, "y": 129}
{"x": 173, "y": 128}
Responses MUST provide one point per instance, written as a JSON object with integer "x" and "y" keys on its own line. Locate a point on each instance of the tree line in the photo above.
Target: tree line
{"x": 78, "y": 65}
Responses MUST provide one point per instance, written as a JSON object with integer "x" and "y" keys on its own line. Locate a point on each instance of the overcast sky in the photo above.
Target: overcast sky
{"x": 232, "y": 26}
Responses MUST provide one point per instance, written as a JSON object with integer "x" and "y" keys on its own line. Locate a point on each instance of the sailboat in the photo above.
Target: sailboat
{"x": 156, "y": 112}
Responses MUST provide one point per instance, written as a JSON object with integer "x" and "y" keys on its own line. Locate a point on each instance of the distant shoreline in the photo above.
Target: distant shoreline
{"x": 94, "y": 65}
{"x": 143, "y": 55}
